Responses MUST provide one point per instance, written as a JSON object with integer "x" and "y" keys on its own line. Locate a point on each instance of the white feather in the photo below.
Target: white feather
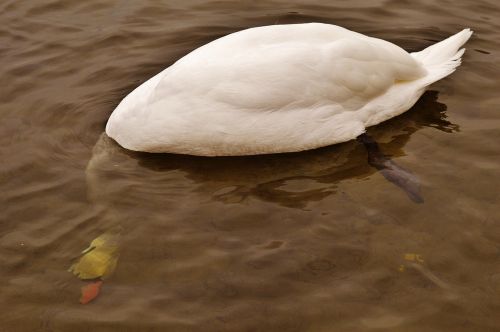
{"x": 280, "y": 88}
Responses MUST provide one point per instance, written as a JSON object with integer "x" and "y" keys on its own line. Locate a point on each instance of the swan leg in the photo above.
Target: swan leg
{"x": 394, "y": 173}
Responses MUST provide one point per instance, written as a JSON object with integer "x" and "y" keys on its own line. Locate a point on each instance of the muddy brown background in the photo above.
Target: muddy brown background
{"x": 313, "y": 241}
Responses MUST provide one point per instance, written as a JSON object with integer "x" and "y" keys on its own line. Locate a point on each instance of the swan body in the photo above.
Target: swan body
{"x": 280, "y": 88}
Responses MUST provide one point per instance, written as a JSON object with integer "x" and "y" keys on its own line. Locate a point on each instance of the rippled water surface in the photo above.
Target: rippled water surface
{"x": 313, "y": 241}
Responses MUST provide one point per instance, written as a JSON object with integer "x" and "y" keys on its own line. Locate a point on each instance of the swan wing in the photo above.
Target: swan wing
{"x": 279, "y": 67}
{"x": 269, "y": 89}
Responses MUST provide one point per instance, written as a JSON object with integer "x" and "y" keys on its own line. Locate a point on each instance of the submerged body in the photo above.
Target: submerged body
{"x": 281, "y": 88}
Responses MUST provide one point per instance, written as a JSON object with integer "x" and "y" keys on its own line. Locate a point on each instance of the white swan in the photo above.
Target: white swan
{"x": 280, "y": 88}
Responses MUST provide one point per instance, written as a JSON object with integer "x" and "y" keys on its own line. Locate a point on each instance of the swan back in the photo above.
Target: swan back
{"x": 269, "y": 89}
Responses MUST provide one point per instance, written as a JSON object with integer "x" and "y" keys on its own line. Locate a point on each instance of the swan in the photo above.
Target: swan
{"x": 279, "y": 88}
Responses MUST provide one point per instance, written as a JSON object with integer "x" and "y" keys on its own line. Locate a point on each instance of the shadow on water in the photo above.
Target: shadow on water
{"x": 292, "y": 180}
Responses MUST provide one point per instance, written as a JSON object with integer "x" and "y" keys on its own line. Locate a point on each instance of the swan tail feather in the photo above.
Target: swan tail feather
{"x": 442, "y": 59}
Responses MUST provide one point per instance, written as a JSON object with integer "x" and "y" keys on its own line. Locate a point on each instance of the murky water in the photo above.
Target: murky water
{"x": 314, "y": 241}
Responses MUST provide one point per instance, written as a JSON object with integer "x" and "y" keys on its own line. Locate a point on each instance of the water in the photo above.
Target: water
{"x": 314, "y": 241}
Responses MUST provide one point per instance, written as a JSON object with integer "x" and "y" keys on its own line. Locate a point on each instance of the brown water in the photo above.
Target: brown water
{"x": 314, "y": 241}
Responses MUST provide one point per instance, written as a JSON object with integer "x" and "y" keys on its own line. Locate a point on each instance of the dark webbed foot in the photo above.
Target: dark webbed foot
{"x": 394, "y": 173}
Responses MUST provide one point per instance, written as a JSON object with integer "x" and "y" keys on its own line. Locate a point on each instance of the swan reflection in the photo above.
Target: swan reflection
{"x": 292, "y": 180}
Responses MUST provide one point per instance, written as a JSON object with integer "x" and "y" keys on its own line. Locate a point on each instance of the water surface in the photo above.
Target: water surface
{"x": 313, "y": 241}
